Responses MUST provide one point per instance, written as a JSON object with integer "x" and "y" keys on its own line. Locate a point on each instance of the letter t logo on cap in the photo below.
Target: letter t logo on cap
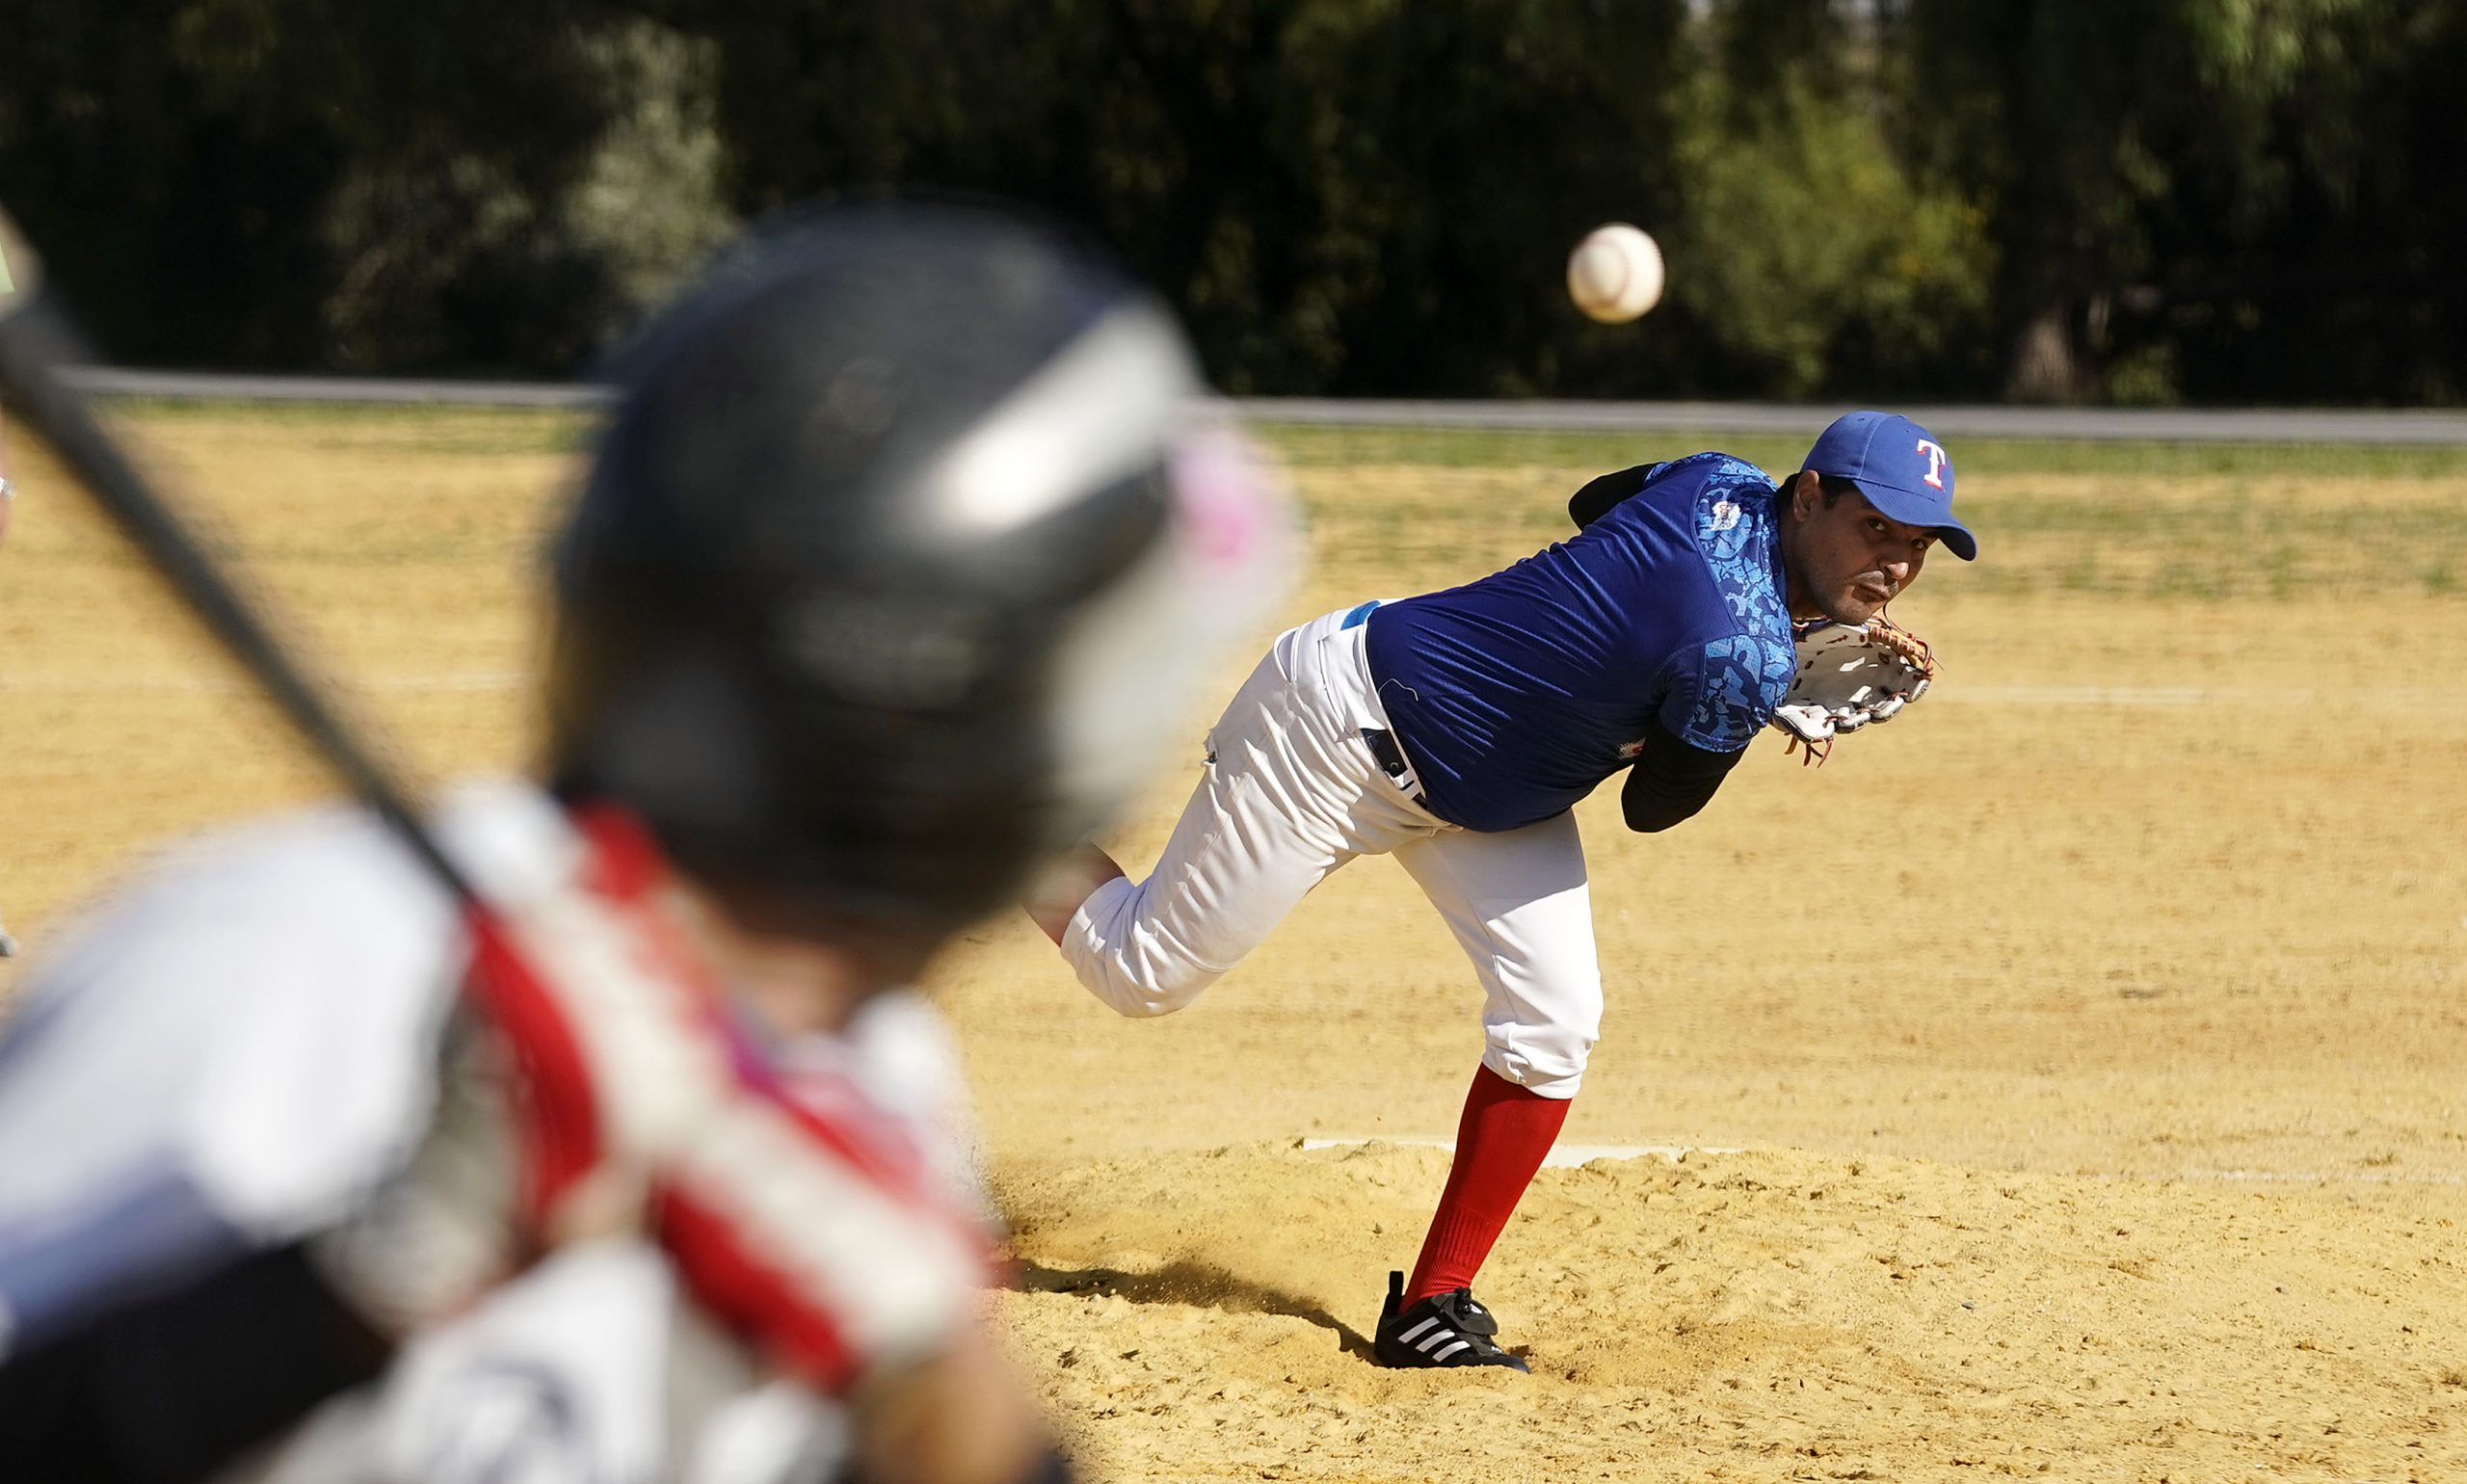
{"x": 1936, "y": 461}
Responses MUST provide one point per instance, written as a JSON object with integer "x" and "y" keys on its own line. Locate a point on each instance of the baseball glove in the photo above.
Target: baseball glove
{"x": 1850, "y": 675}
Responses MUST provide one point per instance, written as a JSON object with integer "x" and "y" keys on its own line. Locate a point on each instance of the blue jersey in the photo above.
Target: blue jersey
{"x": 1517, "y": 695}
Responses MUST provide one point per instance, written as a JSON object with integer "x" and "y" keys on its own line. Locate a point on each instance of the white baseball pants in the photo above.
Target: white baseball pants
{"x": 1291, "y": 791}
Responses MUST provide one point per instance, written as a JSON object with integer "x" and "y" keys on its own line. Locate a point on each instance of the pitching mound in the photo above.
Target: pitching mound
{"x": 1754, "y": 1315}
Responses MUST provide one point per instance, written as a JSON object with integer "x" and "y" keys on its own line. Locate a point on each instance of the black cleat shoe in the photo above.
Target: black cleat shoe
{"x": 1445, "y": 1329}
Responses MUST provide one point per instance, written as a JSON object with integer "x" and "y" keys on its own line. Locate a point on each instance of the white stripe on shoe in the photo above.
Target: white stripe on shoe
{"x": 1407, "y": 1337}
{"x": 1440, "y": 1359}
{"x": 1440, "y": 1338}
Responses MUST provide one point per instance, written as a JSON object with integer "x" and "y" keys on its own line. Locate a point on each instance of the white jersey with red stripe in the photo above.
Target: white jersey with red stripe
{"x": 261, "y": 1042}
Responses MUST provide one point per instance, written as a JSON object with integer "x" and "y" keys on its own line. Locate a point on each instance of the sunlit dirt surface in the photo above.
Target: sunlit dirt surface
{"x": 2091, "y": 1038}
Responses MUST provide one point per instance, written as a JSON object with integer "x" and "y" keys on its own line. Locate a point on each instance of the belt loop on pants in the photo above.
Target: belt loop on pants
{"x": 1391, "y": 758}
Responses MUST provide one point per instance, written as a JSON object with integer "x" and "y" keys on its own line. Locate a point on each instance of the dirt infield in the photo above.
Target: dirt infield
{"x": 2094, "y": 1036}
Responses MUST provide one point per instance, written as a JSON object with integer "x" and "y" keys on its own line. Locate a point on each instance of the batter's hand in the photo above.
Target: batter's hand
{"x": 802, "y": 1218}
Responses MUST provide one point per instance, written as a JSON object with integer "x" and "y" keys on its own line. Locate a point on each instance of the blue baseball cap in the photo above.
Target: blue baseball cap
{"x": 1901, "y": 469}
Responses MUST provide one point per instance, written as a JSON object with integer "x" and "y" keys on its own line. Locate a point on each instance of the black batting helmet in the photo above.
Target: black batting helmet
{"x": 898, "y": 559}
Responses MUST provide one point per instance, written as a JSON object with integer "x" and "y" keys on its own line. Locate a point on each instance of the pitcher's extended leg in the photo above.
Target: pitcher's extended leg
{"x": 1501, "y": 1139}
{"x": 1518, "y": 903}
{"x": 1280, "y": 805}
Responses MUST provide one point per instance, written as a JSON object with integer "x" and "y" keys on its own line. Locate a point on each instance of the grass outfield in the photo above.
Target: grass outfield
{"x": 2092, "y": 1033}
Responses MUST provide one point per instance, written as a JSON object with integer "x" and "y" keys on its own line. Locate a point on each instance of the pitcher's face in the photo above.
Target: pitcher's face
{"x": 1846, "y": 560}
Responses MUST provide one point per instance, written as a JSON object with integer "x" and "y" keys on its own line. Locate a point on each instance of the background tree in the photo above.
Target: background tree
{"x": 313, "y": 182}
{"x": 2119, "y": 199}
{"x": 2157, "y": 176}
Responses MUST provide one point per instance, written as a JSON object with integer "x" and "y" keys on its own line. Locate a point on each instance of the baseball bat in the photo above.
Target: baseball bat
{"x": 37, "y": 339}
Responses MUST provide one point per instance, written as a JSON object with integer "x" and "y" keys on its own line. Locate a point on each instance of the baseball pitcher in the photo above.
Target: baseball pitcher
{"x": 1455, "y": 730}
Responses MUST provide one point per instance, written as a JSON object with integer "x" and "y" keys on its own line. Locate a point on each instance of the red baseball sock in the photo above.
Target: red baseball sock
{"x": 1500, "y": 1141}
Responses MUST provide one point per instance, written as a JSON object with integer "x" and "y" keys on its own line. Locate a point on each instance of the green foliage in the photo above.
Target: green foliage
{"x": 2136, "y": 201}
{"x": 1806, "y": 236}
{"x": 461, "y": 183}
{"x": 1340, "y": 195}
{"x": 2189, "y": 176}
{"x": 443, "y": 256}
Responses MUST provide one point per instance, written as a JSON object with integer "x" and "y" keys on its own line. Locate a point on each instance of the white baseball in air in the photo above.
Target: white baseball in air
{"x": 1615, "y": 274}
